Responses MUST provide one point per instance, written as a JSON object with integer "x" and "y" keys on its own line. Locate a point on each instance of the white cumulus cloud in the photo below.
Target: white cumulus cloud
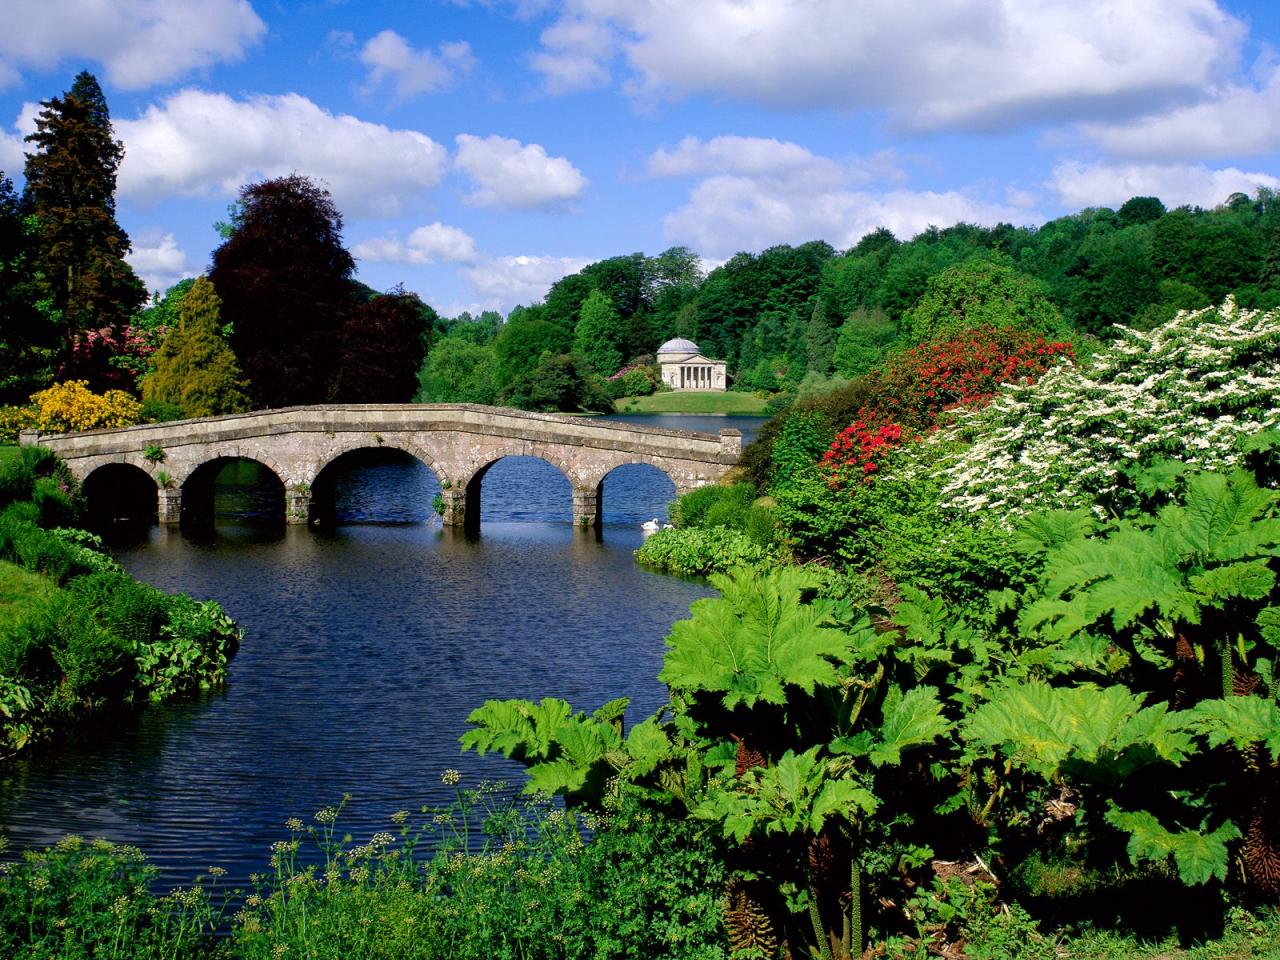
{"x": 744, "y": 156}
{"x": 158, "y": 260}
{"x": 391, "y": 60}
{"x": 754, "y": 193}
{"x": 1109, "y": 185}
{"x": 502, "y": 282}
{"x": 196, "y": 143}
{"x": 514, "y": 176}
{"x": 1235, "y": 119}
{"x": 944, "y": 64}
{"x": 429, "y": 244}
{"x": 574, "y": 55}
{"x": 138, "y": 42}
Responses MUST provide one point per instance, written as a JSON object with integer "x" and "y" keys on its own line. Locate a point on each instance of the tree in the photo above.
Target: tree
{"x": 380, "y": 347}
{"x": 820, "y": 340}
{"x": 524, "y": 338}
{"x": 196, "y": 370}
{"x": 864, "y": 339}
{"x": 1140, "y": 210}
{"x": 558, "y": 382}
{"x": 71, "y": 184}
{"x": 285, "y": 282}
{"x": 478, "y": 330}
{"x": 981, "y": 293}
{"x": 28, "y": 336}
{"x": 598, "y": 334}
{"x": 457, "y": 371}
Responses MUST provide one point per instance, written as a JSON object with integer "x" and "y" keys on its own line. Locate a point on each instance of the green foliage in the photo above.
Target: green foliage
{"x": 30, "y": 335}
{"x": 697, "y": 552}
{"x": 1200, "y": 856}
{"x": 866, "y": 338}
{"x": 981, "y": 293}
{"x": 566, "y": 753}
{"x": 558, "y": 382}
{"x": 522, "y": 342}
{"x": 797, "y": 794}
{"x": 597, "y": 336}
{"x": 457, "y": 371}
{"x": 755, "y": 641}
{"x": 803, "y": 439}
{"x": 195, "y": 369}
{"x": 485, "y": 877}
{"x": 85, "y": 900}
{"x": 105, "y": 638}
{"x": 634, "y": 381}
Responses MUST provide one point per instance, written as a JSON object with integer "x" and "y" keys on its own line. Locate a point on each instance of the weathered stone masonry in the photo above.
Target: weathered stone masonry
{"x": 458, "y": 442}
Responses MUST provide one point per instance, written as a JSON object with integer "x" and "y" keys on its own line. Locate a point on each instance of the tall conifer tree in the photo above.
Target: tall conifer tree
{"x": 195, "y": 368}
{"x": 80, "y": 248}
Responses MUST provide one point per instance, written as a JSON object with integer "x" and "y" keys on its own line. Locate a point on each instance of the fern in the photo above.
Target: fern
{"x": 910, "y": 719}
{"x": 1223, "y": 520}
{"x": 1046, "y": 530}
{"x": 566, "y": 753}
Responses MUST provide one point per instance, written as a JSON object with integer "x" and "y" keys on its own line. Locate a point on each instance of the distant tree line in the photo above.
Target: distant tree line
{"x": 808, "y": 313}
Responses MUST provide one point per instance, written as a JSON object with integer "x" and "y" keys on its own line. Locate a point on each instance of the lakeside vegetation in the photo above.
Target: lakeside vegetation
{"x": 693, "y": 402}
{"x": 78, "y": 635}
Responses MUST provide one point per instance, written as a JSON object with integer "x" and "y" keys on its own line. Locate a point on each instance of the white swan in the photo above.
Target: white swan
{"x": 650, "y": 525}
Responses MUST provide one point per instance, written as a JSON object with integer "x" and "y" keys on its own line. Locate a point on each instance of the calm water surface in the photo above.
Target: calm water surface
{"x": 366, "y": 647}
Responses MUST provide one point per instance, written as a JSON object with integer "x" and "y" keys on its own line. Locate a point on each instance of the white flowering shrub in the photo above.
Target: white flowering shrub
{"x": 1186, "y": 390}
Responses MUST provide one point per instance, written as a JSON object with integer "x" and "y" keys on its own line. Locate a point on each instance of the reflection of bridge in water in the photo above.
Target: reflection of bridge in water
{"x": 457, "y": 442}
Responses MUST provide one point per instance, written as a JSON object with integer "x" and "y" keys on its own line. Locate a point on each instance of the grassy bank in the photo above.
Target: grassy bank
{"x": 693, "y": 402}
{"x": 78, "y": 634}
{"x": 19, "y": 589}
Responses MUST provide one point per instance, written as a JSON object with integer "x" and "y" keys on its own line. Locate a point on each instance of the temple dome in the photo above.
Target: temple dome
{"x": 679, "y": 345}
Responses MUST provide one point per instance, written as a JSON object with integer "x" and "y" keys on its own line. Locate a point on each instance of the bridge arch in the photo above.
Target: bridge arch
{"x": 404, "y": 501}
{"x": 121, "y": 490}
{"x": 632, "y": 511}
{"x": 198, "y": 497}
{"x": 467, "y": 494}
{"x": 354, "y": 444}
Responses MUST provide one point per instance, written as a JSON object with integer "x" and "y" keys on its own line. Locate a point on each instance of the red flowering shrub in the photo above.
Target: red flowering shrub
{"x": 964, "y": 370}
{"x": 116, "y": 359}
{"x": 858, "y": 449}
{"x": 921, "y": 383}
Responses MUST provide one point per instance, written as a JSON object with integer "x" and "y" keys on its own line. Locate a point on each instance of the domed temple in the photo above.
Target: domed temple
{"x": 683, "y": 367}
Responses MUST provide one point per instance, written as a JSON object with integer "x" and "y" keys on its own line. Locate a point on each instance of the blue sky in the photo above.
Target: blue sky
{"x": 480, "y": 149}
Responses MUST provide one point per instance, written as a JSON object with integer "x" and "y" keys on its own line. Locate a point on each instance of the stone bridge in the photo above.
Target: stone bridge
{"x": 458, "y": 442}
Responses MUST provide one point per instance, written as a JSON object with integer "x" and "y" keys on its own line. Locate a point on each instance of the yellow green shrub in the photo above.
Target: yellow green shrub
{"x": 13, "y": 420}
{"x": 71, "y": 405}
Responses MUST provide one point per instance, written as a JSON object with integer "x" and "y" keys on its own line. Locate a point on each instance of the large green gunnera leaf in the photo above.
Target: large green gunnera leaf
{"x": 760, "y": 637}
